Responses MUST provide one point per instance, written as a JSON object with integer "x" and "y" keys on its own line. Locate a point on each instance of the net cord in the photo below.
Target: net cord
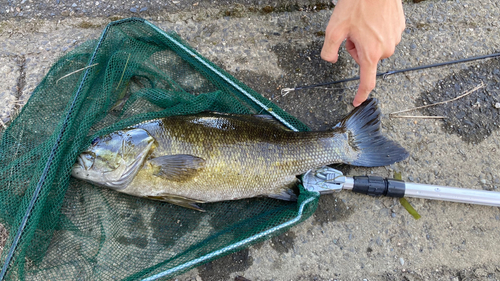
{"x": 49, "y": 163}
{"x": 392, "y": 72}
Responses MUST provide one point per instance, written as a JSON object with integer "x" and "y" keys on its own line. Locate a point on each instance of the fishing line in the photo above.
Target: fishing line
{"x": 384, "y": 75}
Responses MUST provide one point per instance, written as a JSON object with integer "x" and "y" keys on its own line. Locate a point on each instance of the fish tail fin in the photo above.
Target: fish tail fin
{"x": 371, "y": 148}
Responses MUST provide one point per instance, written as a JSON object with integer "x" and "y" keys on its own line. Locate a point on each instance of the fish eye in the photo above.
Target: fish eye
{"x": 94, "y": 142}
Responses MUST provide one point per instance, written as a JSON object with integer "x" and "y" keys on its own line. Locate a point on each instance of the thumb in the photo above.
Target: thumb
{"x": 367, "y": 81}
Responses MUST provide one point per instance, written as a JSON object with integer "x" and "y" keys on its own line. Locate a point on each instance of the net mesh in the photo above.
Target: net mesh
{"x": 61, "y": 228}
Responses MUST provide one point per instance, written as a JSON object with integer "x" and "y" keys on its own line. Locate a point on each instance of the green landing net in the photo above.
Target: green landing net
{"x": 60, "y": 228}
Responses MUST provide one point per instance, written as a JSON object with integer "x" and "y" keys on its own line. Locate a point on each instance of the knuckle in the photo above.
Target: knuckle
{"x": 398, "y": 39}
{"x": 388, "y": 52}
{"x": 330, "y": 31}
{"x": 330, "y": 57}
{"x": 373, "y": 59}
{"x": 370, "y": 57}
{"x": 370, "y": 85}
{"x": 335, "y": 38}
{"x": 367, "y": 86}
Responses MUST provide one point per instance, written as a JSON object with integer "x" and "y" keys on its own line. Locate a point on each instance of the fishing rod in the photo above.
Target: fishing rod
{"x": 327, "y": 180}
{"x": 384, "y": 75}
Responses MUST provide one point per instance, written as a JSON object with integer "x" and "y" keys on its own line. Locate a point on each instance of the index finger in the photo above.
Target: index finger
{"x": 367, "y": 81}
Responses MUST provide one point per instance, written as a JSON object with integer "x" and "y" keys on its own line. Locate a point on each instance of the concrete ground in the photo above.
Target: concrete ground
{"x": 270, "y": 45}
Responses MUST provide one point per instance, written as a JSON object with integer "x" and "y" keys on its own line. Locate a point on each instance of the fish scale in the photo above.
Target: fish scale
{"x": 235, "y": 168}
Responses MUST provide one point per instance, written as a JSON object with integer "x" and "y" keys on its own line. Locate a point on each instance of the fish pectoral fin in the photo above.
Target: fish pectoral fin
{"x": 179, "y": 201}
{"x": 178, "y": 167}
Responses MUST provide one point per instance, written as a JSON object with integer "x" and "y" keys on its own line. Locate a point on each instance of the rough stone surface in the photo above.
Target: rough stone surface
{"x": 353, "y": 237}
{"x": 9, "y": 72}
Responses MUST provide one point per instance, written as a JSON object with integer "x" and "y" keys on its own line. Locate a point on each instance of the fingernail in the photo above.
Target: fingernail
{"x": 356, "y": 103}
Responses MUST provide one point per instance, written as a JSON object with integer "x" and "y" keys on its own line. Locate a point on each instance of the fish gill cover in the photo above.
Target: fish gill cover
{"x": 61, "y": 228}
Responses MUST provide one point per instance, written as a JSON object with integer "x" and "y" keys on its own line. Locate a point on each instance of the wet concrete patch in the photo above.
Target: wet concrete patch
{"x": 134, "y": 220}
{"x": 318, "y": 108}
{"x": 331, "y": 208}
{"x": 170, "y": 223}
{"x": 284, "y": 242}
{"x": 222, "y": 268}
{"x": 139, "y": 242}
{"x": 475, "y": 116}
{"x": 241, "y": 213}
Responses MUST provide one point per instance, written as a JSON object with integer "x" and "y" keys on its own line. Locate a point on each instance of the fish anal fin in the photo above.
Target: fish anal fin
{"x": 290, "y": 192}
{"x": 178, "y": 200}
{"x": 178, "y": 167}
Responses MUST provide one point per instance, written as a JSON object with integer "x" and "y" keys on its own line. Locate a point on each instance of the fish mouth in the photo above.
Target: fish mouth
{"x": 78, "y": 168}
{"x": 82, "y": 163}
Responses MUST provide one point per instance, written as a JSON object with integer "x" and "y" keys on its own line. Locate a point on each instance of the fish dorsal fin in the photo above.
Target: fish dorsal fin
{"x": 177, "y": 167}
{"x": 273, "y": 121}
{"x": 251, "y": 119}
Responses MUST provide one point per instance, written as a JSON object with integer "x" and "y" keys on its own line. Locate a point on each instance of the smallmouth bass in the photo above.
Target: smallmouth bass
{"x": 213, "y": 157}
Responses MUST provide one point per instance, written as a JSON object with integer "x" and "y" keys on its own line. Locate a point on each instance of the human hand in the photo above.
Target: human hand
{"x": 372, "y": 28}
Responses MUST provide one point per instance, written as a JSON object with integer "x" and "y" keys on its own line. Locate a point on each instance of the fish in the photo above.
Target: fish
{"x": 209, "y": 157}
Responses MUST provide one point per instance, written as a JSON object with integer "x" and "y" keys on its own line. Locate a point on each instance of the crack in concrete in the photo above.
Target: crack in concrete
{"x": 21, "y": 82}
{"x": 15, "y": 56}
